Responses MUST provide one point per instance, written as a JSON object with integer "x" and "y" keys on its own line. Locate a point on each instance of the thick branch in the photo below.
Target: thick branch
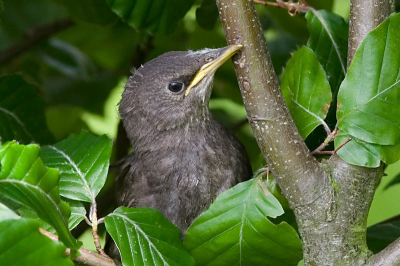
{"x": 390, "y": 256}
{"x": 365, "y": 15}
{"x": 32, "y": 37}
{"x": 296, "y": 170}
{"x": 87, "y": 257}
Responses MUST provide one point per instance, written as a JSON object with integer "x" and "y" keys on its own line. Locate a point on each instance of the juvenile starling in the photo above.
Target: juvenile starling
{"x": 182, "y": 157}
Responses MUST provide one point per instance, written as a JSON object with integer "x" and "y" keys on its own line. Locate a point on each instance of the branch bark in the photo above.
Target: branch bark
{"x": 87, "y": 257}
{"x": 365, "y": 15}
{"x": 331, "y": 200}
{"x": 390, "y": 256}
{"x": 32, "y": 37}
{"x": 283, "y": 148}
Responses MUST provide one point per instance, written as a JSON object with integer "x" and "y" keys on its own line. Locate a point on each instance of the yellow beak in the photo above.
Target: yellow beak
{"x": 212, "y": 66}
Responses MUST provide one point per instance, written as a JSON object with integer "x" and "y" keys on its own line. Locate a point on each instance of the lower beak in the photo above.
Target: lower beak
{"x": 210, "y": 68}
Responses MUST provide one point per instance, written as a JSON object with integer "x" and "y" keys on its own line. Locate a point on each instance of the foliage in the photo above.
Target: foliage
{"x": 235, "y": 230}
{"x": 48, "y": 91}
{"x": 19, "y": 234}
{"x": 159, "y": 239}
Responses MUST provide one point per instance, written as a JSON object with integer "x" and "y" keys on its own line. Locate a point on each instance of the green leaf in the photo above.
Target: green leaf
{"x": 92, "y": 11}
{"x": 83, "y": 161}
{"x": 381, "y": 235}
{"x": 153, "y": 15}
{"x": 78, "y": 213}
{"x": 22, "y": 112}
{"x": 25, "y": 181}
{"x": 306, "y": 91}
{"x": 362, "y": 153}
{"x": 235, "y": 230}
{"x": 207, "y": 14}
{"x": 328, "y": 40}
{"x": 369, "y": 97}
{"x": 145, "y": 237}
{"x": 21, "y": 243}
{"x": 7, "y": 214}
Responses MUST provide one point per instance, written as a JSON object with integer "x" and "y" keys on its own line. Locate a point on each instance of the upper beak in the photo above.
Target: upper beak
{"x": 209, "y": 68}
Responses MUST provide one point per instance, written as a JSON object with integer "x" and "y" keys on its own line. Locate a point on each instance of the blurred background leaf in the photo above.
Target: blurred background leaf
{"x": 22, "y": 112}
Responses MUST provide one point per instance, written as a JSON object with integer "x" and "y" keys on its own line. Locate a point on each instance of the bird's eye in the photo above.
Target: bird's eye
{"x": 175, "y": 86}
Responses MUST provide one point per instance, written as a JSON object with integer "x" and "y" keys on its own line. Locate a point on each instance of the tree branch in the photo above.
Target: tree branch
{"x": 390, "y": 256}
{"x": 87, "y": 257}
{"x": 298, "y": 173}
{"x": 32, "y": 37}
{"x": 365, "y": 15}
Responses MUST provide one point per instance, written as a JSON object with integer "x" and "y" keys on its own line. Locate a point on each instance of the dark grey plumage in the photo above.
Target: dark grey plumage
{"x": 183, "y": 158}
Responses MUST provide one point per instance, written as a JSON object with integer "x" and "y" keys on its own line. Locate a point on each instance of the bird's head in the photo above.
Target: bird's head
{"x": 172, "y": 89}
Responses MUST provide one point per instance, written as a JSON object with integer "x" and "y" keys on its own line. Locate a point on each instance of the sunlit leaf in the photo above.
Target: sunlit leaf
{"x": 22, "y": 112}
{"x": 145, "y": 237}
{"x": 306, "y": 90}
{"x": 154, "y": 15}
{"x": 235, "y": 230}
{"x": 25, "y": 181}
{"x": 21, "y": 243}
{"x": 83, "y": 161}
{"x": 369, "y": 99}
{"x": 362, "y": 153}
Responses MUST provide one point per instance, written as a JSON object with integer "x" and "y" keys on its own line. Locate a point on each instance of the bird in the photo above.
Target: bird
{"x": 182, "y": 157}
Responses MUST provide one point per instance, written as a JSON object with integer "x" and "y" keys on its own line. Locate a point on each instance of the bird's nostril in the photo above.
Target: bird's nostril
{"x": 209, "y": 59}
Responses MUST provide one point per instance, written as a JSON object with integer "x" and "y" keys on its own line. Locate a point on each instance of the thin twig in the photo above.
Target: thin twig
{"x": 32, "y": 37}
{"x": 323, "y": 145}
{"x": 292, "y": 8}
{"x": 341, "y": 145}
{"x": 86, "y": 257}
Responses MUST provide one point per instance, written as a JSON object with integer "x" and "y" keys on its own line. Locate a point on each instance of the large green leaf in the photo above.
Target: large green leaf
{"x": 369, "y": 99}
{"x": 92, "y": 11}
{"x": 22, "y": 112}
{"x": 145, "y": 237}
{"x": 83, "y": 161}
{"x": 328, "y": 40}
{"x": 235, "y": 230}
{"x": 25, "y": 181}
{"x": 362, "y": 153}
{"x": 154, "y": 15}
{"x": 21, "y": 243}
{"x": 306, "y": 90}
